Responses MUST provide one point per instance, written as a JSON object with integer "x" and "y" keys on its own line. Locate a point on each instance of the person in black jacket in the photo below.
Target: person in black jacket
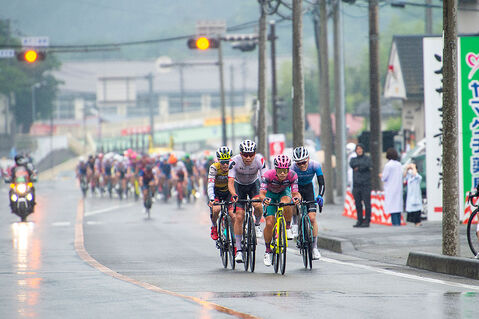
{"x": 361, "y": 166}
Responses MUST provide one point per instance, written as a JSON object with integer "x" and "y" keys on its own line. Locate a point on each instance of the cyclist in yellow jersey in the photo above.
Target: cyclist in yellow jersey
{"x": 218, "y": 185}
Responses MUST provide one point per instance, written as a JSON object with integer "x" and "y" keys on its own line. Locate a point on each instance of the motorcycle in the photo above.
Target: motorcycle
{"x": 21, "y": 195}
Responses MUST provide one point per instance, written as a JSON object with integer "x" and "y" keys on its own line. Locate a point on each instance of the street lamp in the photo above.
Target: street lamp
{"x": 34, "y": 86}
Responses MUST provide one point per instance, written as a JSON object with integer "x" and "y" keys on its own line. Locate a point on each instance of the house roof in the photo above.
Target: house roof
{"x": 410, "y": 52}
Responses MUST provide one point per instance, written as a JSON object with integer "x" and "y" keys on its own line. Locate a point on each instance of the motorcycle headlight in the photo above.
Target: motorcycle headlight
{"x": 29, "y": 197}
{"x": 21, "y": 188}
{"x": 14, "y": 198}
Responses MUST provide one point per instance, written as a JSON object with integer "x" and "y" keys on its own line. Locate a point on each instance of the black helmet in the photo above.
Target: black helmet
{"x": 19, "y": 160}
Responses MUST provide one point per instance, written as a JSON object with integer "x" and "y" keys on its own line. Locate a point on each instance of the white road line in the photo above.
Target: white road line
{"x": 61, "y": 224}
{"x": 399, "y": 274}
{"x": 109, "y": 209}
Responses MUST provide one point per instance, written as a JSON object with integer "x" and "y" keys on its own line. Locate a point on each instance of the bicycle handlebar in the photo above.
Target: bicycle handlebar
{"x": 280, "y": 204}
{"x": 249, "y": 201}
{"x": 222, "y": 203}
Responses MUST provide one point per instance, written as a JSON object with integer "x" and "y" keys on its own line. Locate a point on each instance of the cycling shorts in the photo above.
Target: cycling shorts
{"x": 307, "y": 193}
{"x": 275, "y": 198}
{"x": 243, "y": 191}
{"x": 222, "y": 196}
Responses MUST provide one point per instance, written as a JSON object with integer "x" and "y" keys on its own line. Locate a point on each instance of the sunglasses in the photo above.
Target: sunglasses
{"x": 248, "y": 154}
{"x": 282, "y": 170}
{"x": 302, "y": 163}
{"x": 224, "y": 162}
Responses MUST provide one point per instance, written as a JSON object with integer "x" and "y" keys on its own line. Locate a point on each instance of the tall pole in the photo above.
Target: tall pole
{"x": 274, "y": 93}
{"x": 222, "y": 94}
{"x": 298, "y": 80}
{"x": 450, "y": 159}
{"x": 33, "y": 103}
{"x": 428, "y": 17}
{"x": 261, "y": 130}
{"x": 341, "y": 167}
{"x": 182, "y": 90}
{"x": 232, "y": 104}
{"x": 375, "y": 138}
{"x": 149, "y": 77}
{"x": 326, "y": 126}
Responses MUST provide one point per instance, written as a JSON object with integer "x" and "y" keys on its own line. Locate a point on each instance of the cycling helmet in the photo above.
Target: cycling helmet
{"x": 172, "y": 159}
{"x": 247, "y": 146}
{"x": 18, "y": 158}
{"x": 282, "y": 161}
{"x": 223, "y": 153}
{"x": 81, "y": 159}
{"x": 300, "y": 154}
{"x": 100, "y": 156}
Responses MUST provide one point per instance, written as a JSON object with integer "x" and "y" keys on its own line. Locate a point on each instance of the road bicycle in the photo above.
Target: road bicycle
{"x": 248, "y": 244}
{"x": 225, "y": 241}
{"x": 279, "y": 242}
{"x": 84, "y": 185}
{"x": 304, "y": 241}
{"x": 473, "y": 225}
{"x": 148, "y": 202}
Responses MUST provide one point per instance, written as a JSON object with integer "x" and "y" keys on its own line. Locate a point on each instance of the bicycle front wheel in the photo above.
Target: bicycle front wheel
{"x": 308, "y": 240}
{"x": 231, "y": 241}
{"x": 245, "y": 244}
{"x": 282, "y": 246}
{"x": 472, "y": 234}
{"x": 275, "y": 248}
{"x": 252, "y": 245}
{"x": 223, "y": 240}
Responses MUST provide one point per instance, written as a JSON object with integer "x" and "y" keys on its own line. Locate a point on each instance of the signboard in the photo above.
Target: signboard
{"x": 468, "y": 115}
{"x": 276, "y": 144}
{"x": 432, "y": 50}
{"x": 35, "y": 41}
{"x": 8, "y": 53}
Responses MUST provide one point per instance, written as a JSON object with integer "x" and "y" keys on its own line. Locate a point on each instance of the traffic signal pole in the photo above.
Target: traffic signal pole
{"x": 261, "y": 129}
{"x": 298, "y": 80}
{"x": 222, "y": 94}
{"x": 149, "y": 77}
{"x": 272, "y": 38}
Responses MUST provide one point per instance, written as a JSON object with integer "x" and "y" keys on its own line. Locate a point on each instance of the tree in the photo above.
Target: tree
{"x": 18, "y": 78}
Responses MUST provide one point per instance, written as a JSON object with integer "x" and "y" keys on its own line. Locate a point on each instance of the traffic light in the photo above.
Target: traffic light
{"x": 31, "y": 56}
{"x": 203, "y": 43}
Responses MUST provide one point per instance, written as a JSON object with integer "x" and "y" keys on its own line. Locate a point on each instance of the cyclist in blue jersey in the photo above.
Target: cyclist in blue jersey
{"x": 307, "y": 169}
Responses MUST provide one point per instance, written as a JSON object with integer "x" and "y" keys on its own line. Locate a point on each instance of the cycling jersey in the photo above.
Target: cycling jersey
{"x": 271, "y": 183}
{"x": 189, "y": 166}
{"x": 82, "y": 167}
{"x": 243, "y": 174}
{"x": 306, "y": 177}
{"x": 217, "y": 180}
{"x": 166, "y": 169}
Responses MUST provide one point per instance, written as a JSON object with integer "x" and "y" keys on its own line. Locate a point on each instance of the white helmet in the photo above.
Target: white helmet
{"x": 300, "y": 154}
{"x": 81, "y": 159}
{"x": 247, "y": 146}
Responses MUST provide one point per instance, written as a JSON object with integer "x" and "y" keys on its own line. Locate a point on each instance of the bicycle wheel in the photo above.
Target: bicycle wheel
{"x": 472, "y": 238}
{"x": 282, "y": 246}
{"x": 308, "y": 240}
{"x": 245, "y": 243}
{"x": 275, "y": 248}
{"x": 231, "y": 241}
{"x": 252, "y": 245}
{"x": 302, "y": 242}
{"x": 222, "y": 240}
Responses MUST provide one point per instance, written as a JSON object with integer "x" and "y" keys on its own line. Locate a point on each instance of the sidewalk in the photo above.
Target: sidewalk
{"x": 392, "y": 244}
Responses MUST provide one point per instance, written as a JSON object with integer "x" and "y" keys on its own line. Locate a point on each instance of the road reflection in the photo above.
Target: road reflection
{"x": 28, "y": 260}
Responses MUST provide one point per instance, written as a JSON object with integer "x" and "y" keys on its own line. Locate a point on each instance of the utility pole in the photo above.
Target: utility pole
{"x": 339, "y": 101}
{"x": 298, "y": 80}
{"x": 222, "y": 93}
{"x": 182, "y": 88}
{"x": 428, "y": 17}
{"x": 274, "y": 91}
{"x": 149, "y": 77}
{"x": 450, "y": 159}
{"x": 324, "y": 104}
{"x": 375, "y": 138}
{"x": 232, "y": 104}
{"x": 261, "y": 129}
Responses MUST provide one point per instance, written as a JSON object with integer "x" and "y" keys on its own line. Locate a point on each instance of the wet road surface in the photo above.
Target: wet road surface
{"x": 168, "y": 267}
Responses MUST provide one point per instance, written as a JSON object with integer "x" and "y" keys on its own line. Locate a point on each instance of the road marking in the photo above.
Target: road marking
{"x": 399, "y": 274}
{"x": 92, "y": 222}
{"x": 81, "y": 251}
{"x": 61, "y": 224}
{"x": 109, "y": 209}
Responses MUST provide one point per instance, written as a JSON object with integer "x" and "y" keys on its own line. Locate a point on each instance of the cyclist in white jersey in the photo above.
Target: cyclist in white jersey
{"x": 245, "y": 172}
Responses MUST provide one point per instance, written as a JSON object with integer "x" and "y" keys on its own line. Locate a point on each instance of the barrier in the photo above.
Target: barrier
{"x": 378, "y": 215}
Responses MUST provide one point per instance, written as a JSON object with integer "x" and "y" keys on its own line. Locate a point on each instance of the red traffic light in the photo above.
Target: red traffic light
{"x": 203, "y": 43}
{"x": 31, "y": 56}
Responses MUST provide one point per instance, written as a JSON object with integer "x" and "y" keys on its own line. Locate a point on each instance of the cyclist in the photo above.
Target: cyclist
{"x": 81, "y": 169}
{"x": 147, "y": 179}
{"x": 98, "y": 171}
{"x": 218, "y": 185}
{"x": 121, "y": 169}
{"x": 191, "y": 169}
{"x": 179, "y": 174}
{"x": 244, "y": 175}
{"x": 278, "y": 185}
{"x": 307, "y": 169}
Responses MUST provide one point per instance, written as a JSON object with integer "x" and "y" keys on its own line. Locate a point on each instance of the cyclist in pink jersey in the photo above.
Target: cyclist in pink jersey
{"x": 278, "y": 185}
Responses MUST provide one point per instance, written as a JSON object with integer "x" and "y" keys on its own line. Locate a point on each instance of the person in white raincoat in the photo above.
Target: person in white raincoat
{"x": 392, "y": 176}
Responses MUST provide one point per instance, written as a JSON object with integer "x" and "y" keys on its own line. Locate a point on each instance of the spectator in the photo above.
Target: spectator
{"x": 392, "y": 178}
{"x": 361, "y": 165}
{"x": 414, "y": 196}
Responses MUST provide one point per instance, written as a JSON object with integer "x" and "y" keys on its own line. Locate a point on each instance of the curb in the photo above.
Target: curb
{"x": 458, "y": 266}
{"x": 335, "y": 244}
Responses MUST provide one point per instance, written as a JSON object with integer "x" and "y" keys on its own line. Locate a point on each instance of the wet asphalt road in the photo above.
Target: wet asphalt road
{"x": 170, "y": 268}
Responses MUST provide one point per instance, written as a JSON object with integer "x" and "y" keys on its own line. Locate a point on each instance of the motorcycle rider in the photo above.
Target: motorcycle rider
{"x": 22, "y": 164}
